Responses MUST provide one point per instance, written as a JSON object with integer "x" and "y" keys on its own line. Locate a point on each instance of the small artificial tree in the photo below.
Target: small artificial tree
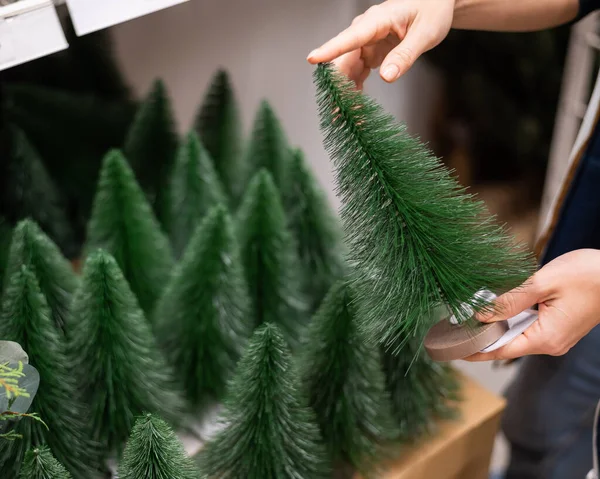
{"x": 151, "y": 146}
{"x": 5, "y": 239}
{"x": 32, "y": 247}
{"x": 120, "y": 370}
{"x": 416, "y": 239}
{"x": 153, "y": 451}
{"x": 268, "y": 147}
{"x": 204, "y": 317}
{"x": 195, "y": 187}
{"x": 71, "y": 131}
{"x": 316, "y": 230}
{"x": 41, "y": 464}
{"x": 123, "y": 224}
{"x": 421, "y": 390}
{"x": 270, "y": 432}
{"x": 26, "y": 319}
{"x": 345, "y": 384}
{"x": 269, "y": 257}
{"x": 219, "y": 127}
{"x": 28, "y": 191}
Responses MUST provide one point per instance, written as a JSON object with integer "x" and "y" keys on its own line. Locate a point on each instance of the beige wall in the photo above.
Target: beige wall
{"x": 263, "y": 43}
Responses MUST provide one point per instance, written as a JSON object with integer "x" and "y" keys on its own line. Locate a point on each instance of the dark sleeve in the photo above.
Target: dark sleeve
{"x": 587, "y": 6}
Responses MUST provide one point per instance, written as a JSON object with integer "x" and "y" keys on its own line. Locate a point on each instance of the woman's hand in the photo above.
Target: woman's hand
{"x": 567, "y": 291}
{"x": 393, "y": 34}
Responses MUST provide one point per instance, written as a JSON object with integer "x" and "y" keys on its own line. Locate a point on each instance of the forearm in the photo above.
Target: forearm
{"x": 513, "y": 15}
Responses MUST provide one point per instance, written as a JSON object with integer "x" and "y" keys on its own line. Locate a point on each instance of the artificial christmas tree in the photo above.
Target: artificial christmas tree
{"x": 345, "y": 384}
{"x": 271, "y": 264}
{"x": 416, "y": 239}
{"x": 316, "y": 231}
{"x": 268, "y": 147}
{"x": 204, "y": 316}
{"x": 155, "y": 452}
{"x": 120, "y": 370}
{"x": 219, "y": 127}
{"x": 40, "y": 464}
{"x": 195, "y": 187}
{"x": 270, "y": 432}
{"x": 29, "y": 192}
{"x": 26, "y": 319}
{"x": 72, "y": 132}
{"x": 421, "y": 390}
{"x": 123, "y": 224}
{"x": 151, "y": 146}
{"x": 30, "y": 246}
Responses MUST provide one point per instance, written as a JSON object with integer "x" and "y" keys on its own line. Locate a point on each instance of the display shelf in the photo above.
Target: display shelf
{"x": 460, "y": 449}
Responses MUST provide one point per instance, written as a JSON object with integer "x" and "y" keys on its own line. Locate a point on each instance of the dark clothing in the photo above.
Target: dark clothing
{"x": 586, "y": 7}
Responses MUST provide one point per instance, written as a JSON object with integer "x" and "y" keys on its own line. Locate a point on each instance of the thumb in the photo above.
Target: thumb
{"x": 402, "y": 58}
{"x": 512, "y": 303}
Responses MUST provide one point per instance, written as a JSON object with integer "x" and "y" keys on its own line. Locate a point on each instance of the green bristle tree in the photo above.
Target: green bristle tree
{"x": 5, "y": 239}
{"x": 268, "y": 147}
{"x": 204, "y": 317}
{"x": 195, "y": 187}
{"x": 151, "y": 146}
{"x": 41, "y": 464}
{"x": 121, "y": 371}
{"x": 268, "y": 253}
{"x": 29, "y": 192}
{"x": 123, "y": 224}
{"x": 71, "y": 131}
{"x": 342, "y": 375}
{"x": 270, "y": 431}
{"x": 416, "y": 238}
{"x": 421, "y": 390}
{"x": 155, "y": 452}
{"x": 316, "y": 230}
{"x": 219, "y": 126}
{"x": 32, "y": 247}
{"x": 26, "y": 319}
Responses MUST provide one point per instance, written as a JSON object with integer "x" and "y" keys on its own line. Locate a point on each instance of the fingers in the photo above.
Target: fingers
{"x": 364, "y": 30}
{"x": 512, "y": 303}
{"x": 401, "y": 59}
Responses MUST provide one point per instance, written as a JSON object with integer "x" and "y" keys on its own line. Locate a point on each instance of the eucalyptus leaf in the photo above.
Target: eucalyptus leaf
{"x": 12, "y": 352}
{"x": 30, "y": 382}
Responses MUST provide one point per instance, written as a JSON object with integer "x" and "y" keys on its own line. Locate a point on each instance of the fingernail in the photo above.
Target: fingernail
{"x": 313, "y": 53}
{"x": 390, "y": 73}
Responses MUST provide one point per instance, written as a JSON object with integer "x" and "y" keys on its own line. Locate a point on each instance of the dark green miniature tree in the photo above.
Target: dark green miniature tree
{"x": 270, "y": 432}
{"x": 72, "y": 131}
{"x": 123, "y": 224}
{"x": 416, "y": 240}
{"x": 26, "y": 320}
{"x": 5, "y": 239}
{"x": 204, "y": 317}
{"x": 345, "y": 384}
{"x": 421, "y": 390}
{"x": 120, "y": 370}
{"x": 195, "y": 187}
{"x": 30, "y": 246}
{"x": 155, "y": 452}
{"x": 316, "y": 230}
{"x": 29, "y": 192}
{"x": 268, "y": 253}
{"x": 151, "y": 146}
{"x": 268, "y": 147}
{"x": 219, "y": 127}
{"x": 40, "y": 464}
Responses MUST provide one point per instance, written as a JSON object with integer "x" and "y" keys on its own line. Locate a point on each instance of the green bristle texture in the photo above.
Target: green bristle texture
{"x": 40, "y": 464}
{"x": 416, "y": 239}
{"x": 270, "y": 433}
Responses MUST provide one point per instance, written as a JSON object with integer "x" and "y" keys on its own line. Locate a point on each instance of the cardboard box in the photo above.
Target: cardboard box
{"x": 461, "y": 449}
